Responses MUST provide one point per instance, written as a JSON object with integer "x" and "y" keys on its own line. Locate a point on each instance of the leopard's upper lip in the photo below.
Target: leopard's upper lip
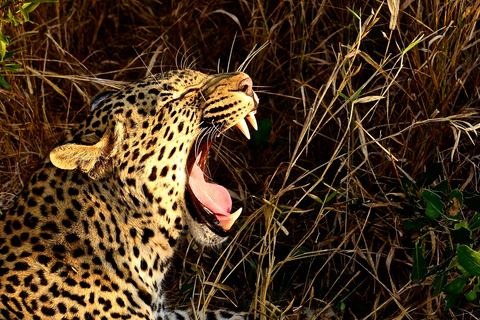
{"x": 207, "y": 202}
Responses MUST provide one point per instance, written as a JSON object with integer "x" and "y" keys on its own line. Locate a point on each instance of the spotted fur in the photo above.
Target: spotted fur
{"x": 94, "y": 231}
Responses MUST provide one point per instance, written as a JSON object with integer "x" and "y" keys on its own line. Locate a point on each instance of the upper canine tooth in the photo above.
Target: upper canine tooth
{"x": 242, "y": 125}
{"x": 255, "y": 97}
{"x": 251, "y": 118}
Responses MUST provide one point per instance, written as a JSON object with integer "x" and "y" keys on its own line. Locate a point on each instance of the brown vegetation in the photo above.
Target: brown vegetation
{"x": 358, "y": 95}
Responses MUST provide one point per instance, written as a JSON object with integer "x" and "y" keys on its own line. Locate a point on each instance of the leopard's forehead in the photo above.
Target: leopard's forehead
{"x": 153, "y": 90}
{"x": 173, "y": 81}
{"x": 164, "y": 95}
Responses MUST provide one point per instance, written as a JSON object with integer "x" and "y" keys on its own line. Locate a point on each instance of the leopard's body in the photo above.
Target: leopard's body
{"x": 94, "y": 231}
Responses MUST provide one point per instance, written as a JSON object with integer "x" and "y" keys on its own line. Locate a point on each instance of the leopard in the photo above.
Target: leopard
{"x": 95, "y": 230}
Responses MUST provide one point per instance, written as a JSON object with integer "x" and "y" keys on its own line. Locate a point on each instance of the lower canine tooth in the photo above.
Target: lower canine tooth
{"x": 227, "y": 224}
{"x": 251, "y": 118}
{"x": 242, "y": 125}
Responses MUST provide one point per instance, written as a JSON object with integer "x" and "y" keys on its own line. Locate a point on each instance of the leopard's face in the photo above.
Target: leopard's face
{"x": 152, "y": 139}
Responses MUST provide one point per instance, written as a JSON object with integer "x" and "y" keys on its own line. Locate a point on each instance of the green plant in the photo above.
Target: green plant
{"x": 16, "y": 13}
{"x": 443, "y": 216}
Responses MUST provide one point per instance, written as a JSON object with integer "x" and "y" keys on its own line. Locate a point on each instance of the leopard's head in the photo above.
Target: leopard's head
{"x": 151, "y": 140}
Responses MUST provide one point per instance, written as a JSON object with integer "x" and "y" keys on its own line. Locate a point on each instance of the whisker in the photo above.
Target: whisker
{"x": 252, "y": 55}
{"x": 198, "y": 141}
{"x": 176, "y": 59}
{"x": 279, "y": 95}
{"x": 187, "y": 58}
{"x": 196, "y": 137}
{"x": 224, "y": 135}
{"x": 231, "y": 52}
{"x": 201, "y": 93}
{"x": 193, "y": 64}
{"x": 220, "y": 128}
{"x": 177, "y": 54}
{"x": 221, "y": 131}
{"x": 161, "y": 66}
{"x": 210, "y": 135}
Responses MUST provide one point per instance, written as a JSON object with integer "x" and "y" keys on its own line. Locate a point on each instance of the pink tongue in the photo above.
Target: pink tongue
{"x": 213, "y": 196}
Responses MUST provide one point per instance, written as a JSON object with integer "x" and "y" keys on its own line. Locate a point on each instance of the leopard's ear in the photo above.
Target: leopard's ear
{"x": 90, "y": 159}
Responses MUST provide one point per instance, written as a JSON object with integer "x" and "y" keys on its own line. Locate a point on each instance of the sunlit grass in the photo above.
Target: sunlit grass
{"x": 358, "y": 95}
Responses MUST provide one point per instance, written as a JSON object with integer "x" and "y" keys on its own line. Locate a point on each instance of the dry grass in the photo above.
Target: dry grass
{"x": 358, "y": 98}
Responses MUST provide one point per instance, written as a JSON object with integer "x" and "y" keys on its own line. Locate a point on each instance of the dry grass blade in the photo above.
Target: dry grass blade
{"x": 349, "y": 113}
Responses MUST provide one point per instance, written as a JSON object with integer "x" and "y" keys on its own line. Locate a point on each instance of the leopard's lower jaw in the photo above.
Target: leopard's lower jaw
{"x": 203, "y": 234}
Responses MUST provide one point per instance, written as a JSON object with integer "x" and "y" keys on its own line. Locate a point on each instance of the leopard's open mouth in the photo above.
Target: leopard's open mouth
{"x": 210, "y": 203}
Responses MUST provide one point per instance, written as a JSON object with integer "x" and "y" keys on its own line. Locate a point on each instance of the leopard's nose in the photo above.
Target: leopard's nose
{"x": 246, "y": 86}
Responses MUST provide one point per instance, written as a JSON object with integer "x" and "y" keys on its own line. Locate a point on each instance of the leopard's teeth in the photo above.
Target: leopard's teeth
{"x": 242, "y": 125}
{"x": 227, "y": 224}
{"x": 251, "y": 118}
{"x": 256, "y": 97}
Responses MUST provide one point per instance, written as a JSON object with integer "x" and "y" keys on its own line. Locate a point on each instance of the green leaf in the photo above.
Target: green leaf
{"x": 354, "y": 13}
{"x": 3, "y": 38}
{"x": 443, "y": 267}
{"x": 469, "y": 259}
{"x": 410, "y": 188}
{"x": 435, "y": 205}
{"x": 456, "y": 286}
{"x": 12, "y": 19}
{"x": 471, "y": 296}
{"x": 476, "y": 287}
{"x": 454, "y": 290}
{"x": 451, "y": 299}
{"x": 10, "y": 54}
{"x": 262, "y": 135}
{"x": 456, "y": 194}
{"x": 24, "y": 14}
{"x": 3, "y": 46}
{"x": 413, "y": 44}
{"x": 13, "y": 67}
{"x": 357, "y": 94}
{"x": 419, "y": 265}
{"x": 461, "y": 224}
{"x": 4, "y": 83}
{"x": 438, "y": 283}
{"x": 442, "y": 186}
{"x": 186, "y": 287}
{"x": 28, "y": 7}
{"x": 330, "y": 197}
{"x": 3, "y": 50}
{"x": 343, "y": 96}
{"x": 475, "y": 222}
